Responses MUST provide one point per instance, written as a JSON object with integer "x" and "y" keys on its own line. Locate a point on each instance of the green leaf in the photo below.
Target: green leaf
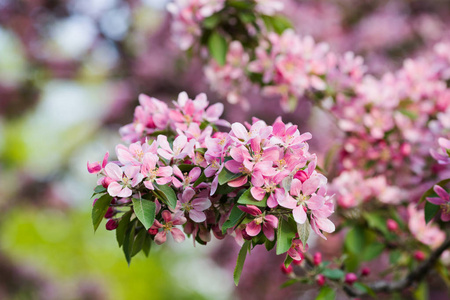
{"x": 138, "y": 242}
{"x": 372, "y": 251}
{"x": 430, "y": 211}
{"x": 240, "y": 262}
{"x": 408, "y": 113}
{"x": 303, "y": 231}
{"x": 288, "y": 260}
{"x": 218, "y": 47}
{"x": 269, "y": 244}
{"x": 99, "y": 210}
{"x": 364, "y": 288}
{"x": 286, "y": 232}
{"x": 211, "y": 22}
{"x": 334, "y": 274}
{"x": 326, "y": 293}
{"x": 200, "y": 179}
{"x": 122, "y": 227}
{"x": 167, "y": 195}
{"x": 147, "y": 245}
{"x": 394, "y": 256}
{"x": 247, "y": 198}
{"x": 430, "y": 192}
{"x": 377, "y": 221}
{"x": 128, "y": 241}
{"x": 280, "y": 24}
{"x": 226, "y": 176}
{"x": 99, "y": 189}
{"x": 235, "y": 217}
{"x": 289, "y": 282}
{"x": 145, "y": 211}
{"x": 355, "y": 240}
{"x": 186, "y": 167}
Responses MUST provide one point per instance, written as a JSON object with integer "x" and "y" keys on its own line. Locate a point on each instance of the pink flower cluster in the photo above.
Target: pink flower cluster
{"x": 187, "y": 18}
{"x": 181, "y": 151}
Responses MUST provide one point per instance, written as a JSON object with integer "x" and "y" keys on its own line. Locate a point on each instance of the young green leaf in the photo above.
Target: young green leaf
{"x": 286, "y": 232}
{"x": 145, "y": 211}
{"x": 240, "y": 262}
{"x": 334, "y": 274}
{"x": 247, "y": 198}
{"x": 166, "y": 194}
{"x": 139, "y": 242}
{"x": 218, "y": 47}
{"x": 200, "y": 179}
{"x": 147, "y": 245}
{"x": 235, "y": 217}
{"x": 122, "y": 227}
{"x": 99, "y": 210}
{"x": 99, "y": 189}
{"x": 326, "y": 293}
{"x": 355, "y": 240}
{"x": 303, "y": 231}
{"x": 128, "y": 241}
{"x": 226, "y": 176}
{"x": 430, "y": 211}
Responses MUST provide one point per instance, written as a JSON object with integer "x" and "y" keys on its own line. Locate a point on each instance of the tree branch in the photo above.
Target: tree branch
{"x": 415, "y": 275}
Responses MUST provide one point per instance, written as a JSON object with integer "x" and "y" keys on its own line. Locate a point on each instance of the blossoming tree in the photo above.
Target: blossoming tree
{"x": 259, "y": 182}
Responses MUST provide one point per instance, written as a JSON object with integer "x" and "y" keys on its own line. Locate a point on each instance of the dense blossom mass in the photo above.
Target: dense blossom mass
{"x": 181, "y": 170}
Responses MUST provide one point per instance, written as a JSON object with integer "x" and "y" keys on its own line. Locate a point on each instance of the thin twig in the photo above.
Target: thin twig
{"x": 415, "y": 275}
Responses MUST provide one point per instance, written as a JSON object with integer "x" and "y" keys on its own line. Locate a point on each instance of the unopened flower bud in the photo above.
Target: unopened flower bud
{"x": 419, "y": 255}
{"x": 301, "y": 175}
{"x": 106, "y": 181}
{"x": 391, "y": 225}
{"x": 245, "y": 236}
{"x": 112, "y": 224}
{"x": 110, "y": 213}
{"x": 153, "y": 230}
{"x": 350, "y": 278}
{"x": 317, "y": 258}
{"x": 365, "y": 271}
{"x": 286, "y": 270}
{"x": 320, "y": 279}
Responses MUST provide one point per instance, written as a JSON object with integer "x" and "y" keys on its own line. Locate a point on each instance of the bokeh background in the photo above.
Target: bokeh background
{"x": 70, "y": 75}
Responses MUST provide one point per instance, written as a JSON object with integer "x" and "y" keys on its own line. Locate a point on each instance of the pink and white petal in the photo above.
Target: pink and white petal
{"x": 296, "y": 187}
{"x": 197, "y": 216}
{"x": 252, "y": 229}
{"x": 436, "y": 201}
{"x": 114, "y": 189}
{"x": 163, "y": 180}
{"x": 441, "y": 193}
{"x": 161, "y": 237}
{"x": 238, "y": 182}
{"x": 165, "y": 154}
{"x": 148, "y": 184}
{"x": 258, "y": 193}
{"x": 201, "y": 204}
{"x": 236, "y": 154}
{"x": 164, "y": 171}
{"x": 163, "y": 143}
{"x": 178, "y": 235}
{"x": 315, "y": 228}
{"x": 310, "y": 185}
{"x": 179, "y": 143}
{"x": 269, "y": 231}
{"x": 299, "y": 214}
{"x": 233, "y": 166}
{"x": 278, "y": 129}
{"x": 214, "y": 112}
{"x": 114, "y": 171}
{"x": 287, "y": 201}
{"x": 166, "y": 215}
{"x": 272, "y": 201}
{"x": 257, "y": 179}
{"x": 125, "y": 193}
{"x": 271, "y": 154}
{"x": 250, "y": 209}
{"x": 294, "y": 254}
{"x": 105, "y": 159}
{"x": 271, "y": 220}
{"x": 194, "y": 174}
{"x": 239, "y": 131}
{"x": 325, "y": 225}
{"x": 123, "y": 154}
{"x": 315, "y": 202}
{"x": 214, "y": 185}
{"x": 188, "y": 194}
{"x": 177, "y": 172}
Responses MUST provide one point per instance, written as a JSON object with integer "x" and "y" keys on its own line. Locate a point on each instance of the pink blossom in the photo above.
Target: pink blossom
{"x": 170, "y": 220}
{"x": 123, "y": 181}
{"x": 95, "y": 167}
{"x": 194, "y": 206}
{"x": 152, "y": 172}
{"x": 429, "y": 234}
{"x": 297, "y": 249}
{"x": 181, "y": 147}
{"x": 445, "y": 148}
{"x": 186, "y": 179}
{"x": 269, "y": 222}
{"x": 443, "y": 201}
